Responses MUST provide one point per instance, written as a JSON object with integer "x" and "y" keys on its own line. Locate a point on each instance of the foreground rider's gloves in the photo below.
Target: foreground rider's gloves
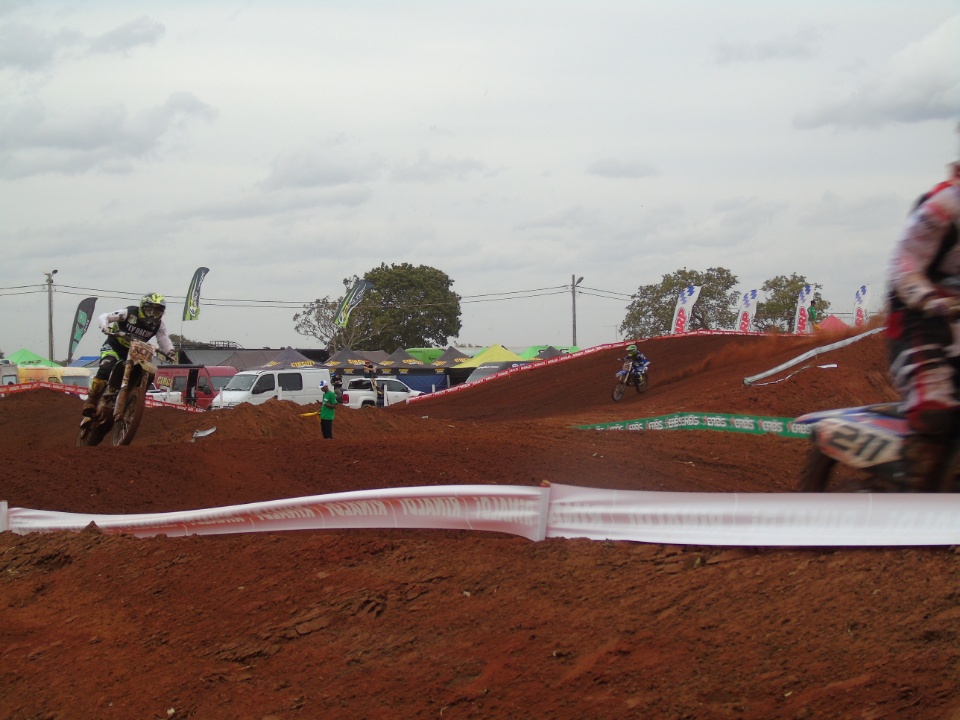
{"x": 110, "y": 329}
{"x": 945, "y": 307}
{"x": 170, "y": 357}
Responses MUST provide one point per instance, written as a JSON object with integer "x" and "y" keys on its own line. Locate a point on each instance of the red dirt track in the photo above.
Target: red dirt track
{"x": 453, "y": 625}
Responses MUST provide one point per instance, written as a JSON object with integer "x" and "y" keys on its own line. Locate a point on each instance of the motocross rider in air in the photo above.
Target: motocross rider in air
{"x": 924, "y": 351}
{"x": 637, "y": 359}
{"x": 143, "y": 322}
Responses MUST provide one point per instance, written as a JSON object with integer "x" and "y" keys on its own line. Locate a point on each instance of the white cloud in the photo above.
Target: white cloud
{"x": 35, "y": 139}
{"x": 142, "y": 31}
{"x": 26, "y": 48}
{"x": 616, "y": 167}
{"x": 917, "y": 84}
{"x": 427, "y": 170}
{"x": 802, "y": 44}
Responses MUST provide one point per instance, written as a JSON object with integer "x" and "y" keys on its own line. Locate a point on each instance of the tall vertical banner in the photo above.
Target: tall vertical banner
{"x": 800, "y": 324}
{"x": 81, "y": 321}
{"x": 685, "y": 302}
{"x": 748, "y": 308}
{"x": 350, "y": 301}
{"x": 860, "y": 306}
{"x": 191, "y": 304}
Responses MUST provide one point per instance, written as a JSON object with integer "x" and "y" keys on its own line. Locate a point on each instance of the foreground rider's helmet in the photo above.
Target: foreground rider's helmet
{"x": 153, "y": 305}
{"x": 631, "y": 349}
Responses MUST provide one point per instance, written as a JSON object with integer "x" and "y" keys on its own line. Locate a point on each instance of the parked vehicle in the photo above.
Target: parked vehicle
{"x": 361, "y": 392}
{"x": 197, "y": 384}
{"x": 164, "y": 395}
{"x": 630, "y": 376}
{"x": 77, "y": 376}
{"x": 869, "y": 438}
{"x": 8, "y": 373}
{"x": 257, "y": 386}
{"x": 121, "y": 406}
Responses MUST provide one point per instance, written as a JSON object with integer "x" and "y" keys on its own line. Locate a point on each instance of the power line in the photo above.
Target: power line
{"x": 297, "y": 305}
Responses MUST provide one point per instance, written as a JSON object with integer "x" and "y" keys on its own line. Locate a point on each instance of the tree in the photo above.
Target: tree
{"x": 407, "y": 307}
{"x": 776, "y": 313}
{"x": 651, "y": 311}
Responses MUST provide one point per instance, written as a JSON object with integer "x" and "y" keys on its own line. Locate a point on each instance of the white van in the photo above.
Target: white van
{"x": 301, "y": 385}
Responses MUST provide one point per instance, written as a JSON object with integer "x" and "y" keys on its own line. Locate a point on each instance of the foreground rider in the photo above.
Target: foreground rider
{"x": 637, "y": 359}
{"x": 142, "y": 322}
{"x": 924, "y": 354}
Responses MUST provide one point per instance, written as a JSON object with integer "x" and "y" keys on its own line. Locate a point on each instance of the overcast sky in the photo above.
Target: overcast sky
{"x": 512, "y": 145}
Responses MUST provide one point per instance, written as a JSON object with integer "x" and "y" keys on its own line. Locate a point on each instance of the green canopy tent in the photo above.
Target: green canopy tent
{"x": 544, "y": 352}
{"x": 31, "y": 359}
{"x": 426, "y": 355}
{"x": 493, "y": 359}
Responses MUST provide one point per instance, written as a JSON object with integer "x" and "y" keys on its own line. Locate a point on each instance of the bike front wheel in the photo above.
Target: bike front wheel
{"x": 125, "y": 428}
{"x": 92, "y": 433}
{"x": 618, "y": 390}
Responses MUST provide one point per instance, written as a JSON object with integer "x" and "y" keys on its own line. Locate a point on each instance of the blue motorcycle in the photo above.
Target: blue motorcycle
{"x": 630, "y": 376}
{"x": 868, "y": 438}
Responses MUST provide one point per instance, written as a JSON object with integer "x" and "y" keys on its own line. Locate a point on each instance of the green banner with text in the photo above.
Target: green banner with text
{"x": 753, "y": 424}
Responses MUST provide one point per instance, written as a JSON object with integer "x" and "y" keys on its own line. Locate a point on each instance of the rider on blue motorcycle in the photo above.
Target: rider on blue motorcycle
{"x": 925, "y": 365}
{"x": 638, "y": 361}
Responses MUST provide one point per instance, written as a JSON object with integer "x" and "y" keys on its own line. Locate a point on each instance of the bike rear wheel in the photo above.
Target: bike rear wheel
{"x": 618, "y": 390}
{"x": 125, "y": 427}
{"x": 641, "y": 383}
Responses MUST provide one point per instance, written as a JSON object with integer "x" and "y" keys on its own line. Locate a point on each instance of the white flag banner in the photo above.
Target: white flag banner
{"x": 685, "y": 302}
{"x": 860, "y": 306}
{"x": 748, "y": 308}
{"x": 800, "y": 324}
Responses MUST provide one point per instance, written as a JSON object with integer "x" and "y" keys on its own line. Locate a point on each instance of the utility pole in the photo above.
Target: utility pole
{"x": 50, "y": 314}
{"x": 574, "y": 281}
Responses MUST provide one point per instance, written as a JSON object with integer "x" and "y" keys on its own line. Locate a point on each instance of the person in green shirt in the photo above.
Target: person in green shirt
{"x": 327, "y": 406}
{"x": 812, "y": 316}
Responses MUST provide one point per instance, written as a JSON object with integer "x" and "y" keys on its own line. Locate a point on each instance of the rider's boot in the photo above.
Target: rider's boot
{"x": 97, "y": 386}
{"x": 926, "y": 458}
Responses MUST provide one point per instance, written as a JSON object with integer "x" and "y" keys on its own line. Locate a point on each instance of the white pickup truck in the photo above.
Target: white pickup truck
{"x": 360, "y": 393}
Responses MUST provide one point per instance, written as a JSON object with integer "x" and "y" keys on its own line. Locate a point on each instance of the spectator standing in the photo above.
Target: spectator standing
{"x": 327, "y": 408}
{"x": 812, "y": 316}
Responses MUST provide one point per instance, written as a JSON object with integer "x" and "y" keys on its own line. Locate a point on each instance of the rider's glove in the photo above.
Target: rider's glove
{"x": 945, "y": 307}
{"x": 170, "y": 357}
{"x": 110, "y": 329}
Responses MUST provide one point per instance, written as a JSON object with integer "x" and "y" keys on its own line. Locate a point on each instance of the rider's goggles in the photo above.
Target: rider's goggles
{"x": 151, "y": 310}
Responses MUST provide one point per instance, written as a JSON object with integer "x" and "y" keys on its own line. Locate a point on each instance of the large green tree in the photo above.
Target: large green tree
{"x": 776, "y": 313}
{"x": 408, "y": 306}
{"x": 651, "y": 311}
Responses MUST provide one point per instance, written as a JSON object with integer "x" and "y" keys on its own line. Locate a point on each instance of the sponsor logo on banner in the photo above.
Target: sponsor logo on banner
{"x": 748, "y": 308}
{"x": 800, "y": 318}
{"x": 680, "y": 325}
{"x": 81, "y": 321}
{"x": 191, "y": 305}
{"x": 686, "y": 299}
{"x": 859, "y": 303}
